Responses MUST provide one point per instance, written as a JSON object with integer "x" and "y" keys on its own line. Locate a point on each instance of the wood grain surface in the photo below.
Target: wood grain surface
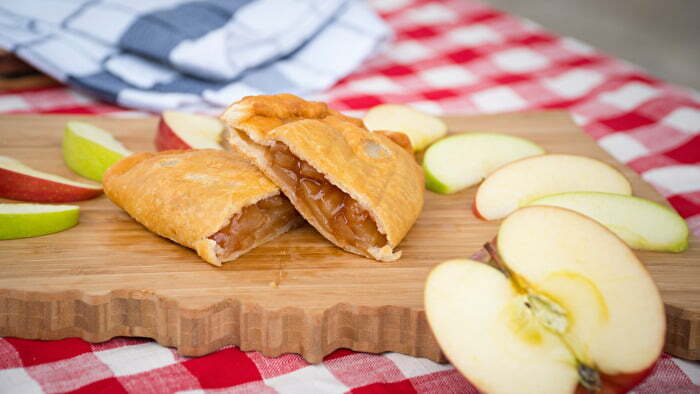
{"x": 109, "y": 277}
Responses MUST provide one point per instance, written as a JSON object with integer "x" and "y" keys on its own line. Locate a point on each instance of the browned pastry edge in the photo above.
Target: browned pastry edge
{"x": 186, "y": 196}
{"x": 388, "y": 185}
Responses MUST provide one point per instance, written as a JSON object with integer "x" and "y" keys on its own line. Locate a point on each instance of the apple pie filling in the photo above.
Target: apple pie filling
{"x": 335, "y": 210}
{"x": 252, "y": 224}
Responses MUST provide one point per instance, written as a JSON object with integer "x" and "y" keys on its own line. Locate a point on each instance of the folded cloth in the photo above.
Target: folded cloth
{"x": 192, "y": 54}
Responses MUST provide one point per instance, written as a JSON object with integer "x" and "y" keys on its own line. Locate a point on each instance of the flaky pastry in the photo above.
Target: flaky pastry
{"x": 361, "y": 190}
{"x": 212, "y": 201}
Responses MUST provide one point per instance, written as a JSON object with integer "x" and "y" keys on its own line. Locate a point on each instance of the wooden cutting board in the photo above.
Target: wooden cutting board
{"x": 110, "y": 277}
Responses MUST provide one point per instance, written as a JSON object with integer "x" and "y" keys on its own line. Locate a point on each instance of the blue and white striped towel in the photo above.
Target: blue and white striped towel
{"x": 192, "y": 54}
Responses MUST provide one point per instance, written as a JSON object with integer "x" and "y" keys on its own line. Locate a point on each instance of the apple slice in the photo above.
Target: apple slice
{"x": 19, "y": 182}
{"x": 179, "y": 130}
{"x": 641, "y": 223}
{"x": 422, "y": 129}
{"x": 33, "y": 220}
{"x": 516, "y": 184}
{"x": 90, "y": 150}
{"x": 571, "y": 309}
{"x": 459, "y": 161}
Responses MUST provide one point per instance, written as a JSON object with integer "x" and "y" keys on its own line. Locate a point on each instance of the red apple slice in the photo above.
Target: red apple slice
{"x": 179, "y": 130}
{"x": 572, "y": 308}
{"x": 520, "y": 182}
{"x": 19, "y": 182}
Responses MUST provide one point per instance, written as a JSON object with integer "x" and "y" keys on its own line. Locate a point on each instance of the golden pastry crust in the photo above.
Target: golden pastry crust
{"x": 257, "y": 115}
{"x": 381, "y": 175}
{"x": 398, "y": 137}
{"x": 187, "y": 196}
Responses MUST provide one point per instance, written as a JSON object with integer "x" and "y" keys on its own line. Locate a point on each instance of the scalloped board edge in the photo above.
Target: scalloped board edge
{"x": 196, "y": 332}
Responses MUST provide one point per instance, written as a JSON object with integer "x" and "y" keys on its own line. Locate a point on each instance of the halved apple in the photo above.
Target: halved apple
{"x": 572, "y": 309}
{"x": 422, "y": 129}
{"x": 180, "y": 130}
{"x": 33, "y": 220}
{"x": 89, "y": 150}
{"x": 20, "y": 182}
{"x": 520, "y": 182}
{"x": 641, "y": 223}
{"x": 459, "y": 161}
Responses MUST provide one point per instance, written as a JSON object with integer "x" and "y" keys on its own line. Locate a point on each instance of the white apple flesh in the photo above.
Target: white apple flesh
{"x": 422, "y": 129}
{"x": 89, "y": 150}
{"x": 516, "y": 184}
{"x": 641, "y": 223}
{"x": 20, "y": 182}
{"x": 33, "y": 220}
{"x": 572, "y": 309}
{"x": 459, "y": 161}
{"x": 179, "y": 130}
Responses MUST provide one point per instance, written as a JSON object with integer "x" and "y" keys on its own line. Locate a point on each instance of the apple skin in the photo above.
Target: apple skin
{"x": 475, "y": 211}
{"x": 472, "y": 157}
{"x": 433, "y": 184}
{"x": 166, "y": 139}
{"x": 23, "y": 187}
{"x": 619, "y": 384}
{"x": 87, "y": 157}
{"x": 669, "y": 233}
{"x": 16, "y": 225}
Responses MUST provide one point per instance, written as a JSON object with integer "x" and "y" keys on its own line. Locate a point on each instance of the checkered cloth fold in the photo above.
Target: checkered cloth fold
{"x": 186, "y": 54}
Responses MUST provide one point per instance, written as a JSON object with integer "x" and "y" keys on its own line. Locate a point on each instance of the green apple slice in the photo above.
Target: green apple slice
{"x": 33, "y": 220}
{"x": 422, "y": 129}
{"x": 641, "y": 223}
{"x": 459, "y": 161}
{"x": 90, "y": 150}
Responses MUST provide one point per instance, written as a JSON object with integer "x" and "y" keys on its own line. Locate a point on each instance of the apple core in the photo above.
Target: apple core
{"x": 541, "y": 311}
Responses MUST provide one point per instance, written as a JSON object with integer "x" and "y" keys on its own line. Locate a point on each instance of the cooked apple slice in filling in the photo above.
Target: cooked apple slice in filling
{"x": 332, "y": 208}
{"x": 361, "y": 190}
{"x": 252, "y": 226}
{"x": 212, "y": 201}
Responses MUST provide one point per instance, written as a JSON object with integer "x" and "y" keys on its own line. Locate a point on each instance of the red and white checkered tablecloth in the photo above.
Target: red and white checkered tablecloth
{"x": 453, "y": 56}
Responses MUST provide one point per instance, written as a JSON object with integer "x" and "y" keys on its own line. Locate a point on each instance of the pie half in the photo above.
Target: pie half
{"x": 361, "y": 190}
{"x": 212, "y": 201}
